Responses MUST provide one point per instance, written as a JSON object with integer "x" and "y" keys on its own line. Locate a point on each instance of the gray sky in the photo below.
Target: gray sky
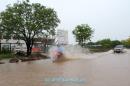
{"x": 109, "y": 18}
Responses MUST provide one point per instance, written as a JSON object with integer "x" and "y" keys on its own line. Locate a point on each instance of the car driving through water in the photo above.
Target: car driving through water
{"x": 119, "y": 49}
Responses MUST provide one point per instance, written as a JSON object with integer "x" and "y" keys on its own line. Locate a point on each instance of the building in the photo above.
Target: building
{"x": 13, "y": 44}
{"x": 62, "y": 37}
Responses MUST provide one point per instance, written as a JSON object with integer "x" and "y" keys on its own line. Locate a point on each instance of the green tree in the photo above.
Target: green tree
{"x": 106, "y": 43}
{"x": 28, "y": 20}
{"x": 126, "y": 42}
{"x": 115, "y": 42}
{"x": 82, "y": 33}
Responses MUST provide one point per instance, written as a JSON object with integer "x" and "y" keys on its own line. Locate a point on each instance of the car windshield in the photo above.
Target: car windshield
{"x": 119, "y": 46}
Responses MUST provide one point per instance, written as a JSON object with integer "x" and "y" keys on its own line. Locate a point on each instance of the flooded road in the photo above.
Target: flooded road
{"x": 103, "y": 69}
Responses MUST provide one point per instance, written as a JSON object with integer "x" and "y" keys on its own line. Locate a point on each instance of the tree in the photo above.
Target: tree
{"x": 27, "y": 20}
{"x": 82, "y": 33}
{"x": 126, "y": 42}
{"x": 115, "y": 42}
{"x": 106, "y": 43}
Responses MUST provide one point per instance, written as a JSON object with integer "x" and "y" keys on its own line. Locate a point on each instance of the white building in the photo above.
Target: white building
{"x": 11, "y": 44}
{"x": 62, "y": 37}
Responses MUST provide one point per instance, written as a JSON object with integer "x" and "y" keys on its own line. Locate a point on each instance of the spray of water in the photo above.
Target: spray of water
{"x": 75, "y": 52}
{"x": 71, "y": 52}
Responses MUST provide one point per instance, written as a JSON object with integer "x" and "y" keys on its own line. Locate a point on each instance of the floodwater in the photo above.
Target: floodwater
{"x": 102, "y": 69}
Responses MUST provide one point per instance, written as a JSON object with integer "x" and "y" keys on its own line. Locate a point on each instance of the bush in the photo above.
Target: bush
{"x": 6, "y": 56}
{"x": 99, "y": 49}
{"x": 5, "y": 51}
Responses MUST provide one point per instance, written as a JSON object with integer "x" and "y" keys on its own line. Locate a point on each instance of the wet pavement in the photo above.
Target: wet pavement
{"x": 103, "y": 69}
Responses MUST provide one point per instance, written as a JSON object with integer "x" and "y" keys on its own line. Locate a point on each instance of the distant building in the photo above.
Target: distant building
{"x": 12, "y": 43}
{"x": 62, "y": 37}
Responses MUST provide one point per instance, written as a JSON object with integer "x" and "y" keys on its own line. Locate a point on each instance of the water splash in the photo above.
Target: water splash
{"x": 71, "y": 52}
{"x": 75, "y": 52}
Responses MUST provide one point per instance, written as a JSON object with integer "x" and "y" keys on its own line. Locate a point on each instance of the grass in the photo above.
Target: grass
{"x": 99, "y": 49}
{"x": 6, "y": 55}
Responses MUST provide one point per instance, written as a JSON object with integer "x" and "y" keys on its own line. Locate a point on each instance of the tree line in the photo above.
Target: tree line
{"x": 83, "y": 34}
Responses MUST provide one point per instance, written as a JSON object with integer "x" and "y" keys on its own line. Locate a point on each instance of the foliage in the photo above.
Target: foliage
{"x": 126, "y": 42}
{"x": 5, "y": 51}
{"x": 106, "y": 43}
{"x": 83, "y": 33}
{"x": 6, "y": 56}
{"x": 115, "y": 42}
{"x": 99, "y": 49}
{"x": 27, "y": 21}
{"x": 91, "y": 43}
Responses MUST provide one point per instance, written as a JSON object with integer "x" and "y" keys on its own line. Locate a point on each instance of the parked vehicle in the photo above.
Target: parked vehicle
{"x": 20, "y": 49}
{"x": 119, "y": 49}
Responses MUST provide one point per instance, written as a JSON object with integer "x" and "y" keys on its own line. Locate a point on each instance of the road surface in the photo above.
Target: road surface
{"x": 100, "y": 69}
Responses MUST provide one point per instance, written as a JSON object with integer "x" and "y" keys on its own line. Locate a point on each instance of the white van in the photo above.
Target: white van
{"x": 20, "y": 49}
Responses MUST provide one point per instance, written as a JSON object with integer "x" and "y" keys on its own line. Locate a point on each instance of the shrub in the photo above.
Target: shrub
{"x": 6, "y": 56}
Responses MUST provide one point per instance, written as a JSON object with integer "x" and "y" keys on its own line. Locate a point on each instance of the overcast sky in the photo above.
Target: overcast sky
{"x": 109, "y": 18}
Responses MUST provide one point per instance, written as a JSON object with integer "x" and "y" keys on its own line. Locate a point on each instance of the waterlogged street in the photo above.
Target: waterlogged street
{"x": 101, "y": 69}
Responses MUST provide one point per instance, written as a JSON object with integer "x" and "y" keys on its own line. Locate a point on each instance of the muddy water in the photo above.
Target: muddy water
{"x": 105, "y": 70}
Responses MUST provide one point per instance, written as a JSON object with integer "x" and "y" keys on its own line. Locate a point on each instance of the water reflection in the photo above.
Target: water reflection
{"x": 33, "y": 73}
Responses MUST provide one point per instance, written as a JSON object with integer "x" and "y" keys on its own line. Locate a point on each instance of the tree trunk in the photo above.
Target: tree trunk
{"x": 45, "y": 40}
{"x": 29, "y": 45}
{"x": 29, "y": 50}
{"x": 45, "y": 46}
{"x": 81, "y": 43}
{"x": 0, "y": 47}
{"x": 0, "y": 44}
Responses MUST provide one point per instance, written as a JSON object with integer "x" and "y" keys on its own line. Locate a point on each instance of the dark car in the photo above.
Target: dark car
{"x": 119, "y": 49}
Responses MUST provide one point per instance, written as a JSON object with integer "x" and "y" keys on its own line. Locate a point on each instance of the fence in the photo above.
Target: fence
{"x": 10, "y": 47}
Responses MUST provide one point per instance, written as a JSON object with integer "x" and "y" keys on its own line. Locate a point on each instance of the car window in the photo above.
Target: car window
{"x": 119, "y": 46}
